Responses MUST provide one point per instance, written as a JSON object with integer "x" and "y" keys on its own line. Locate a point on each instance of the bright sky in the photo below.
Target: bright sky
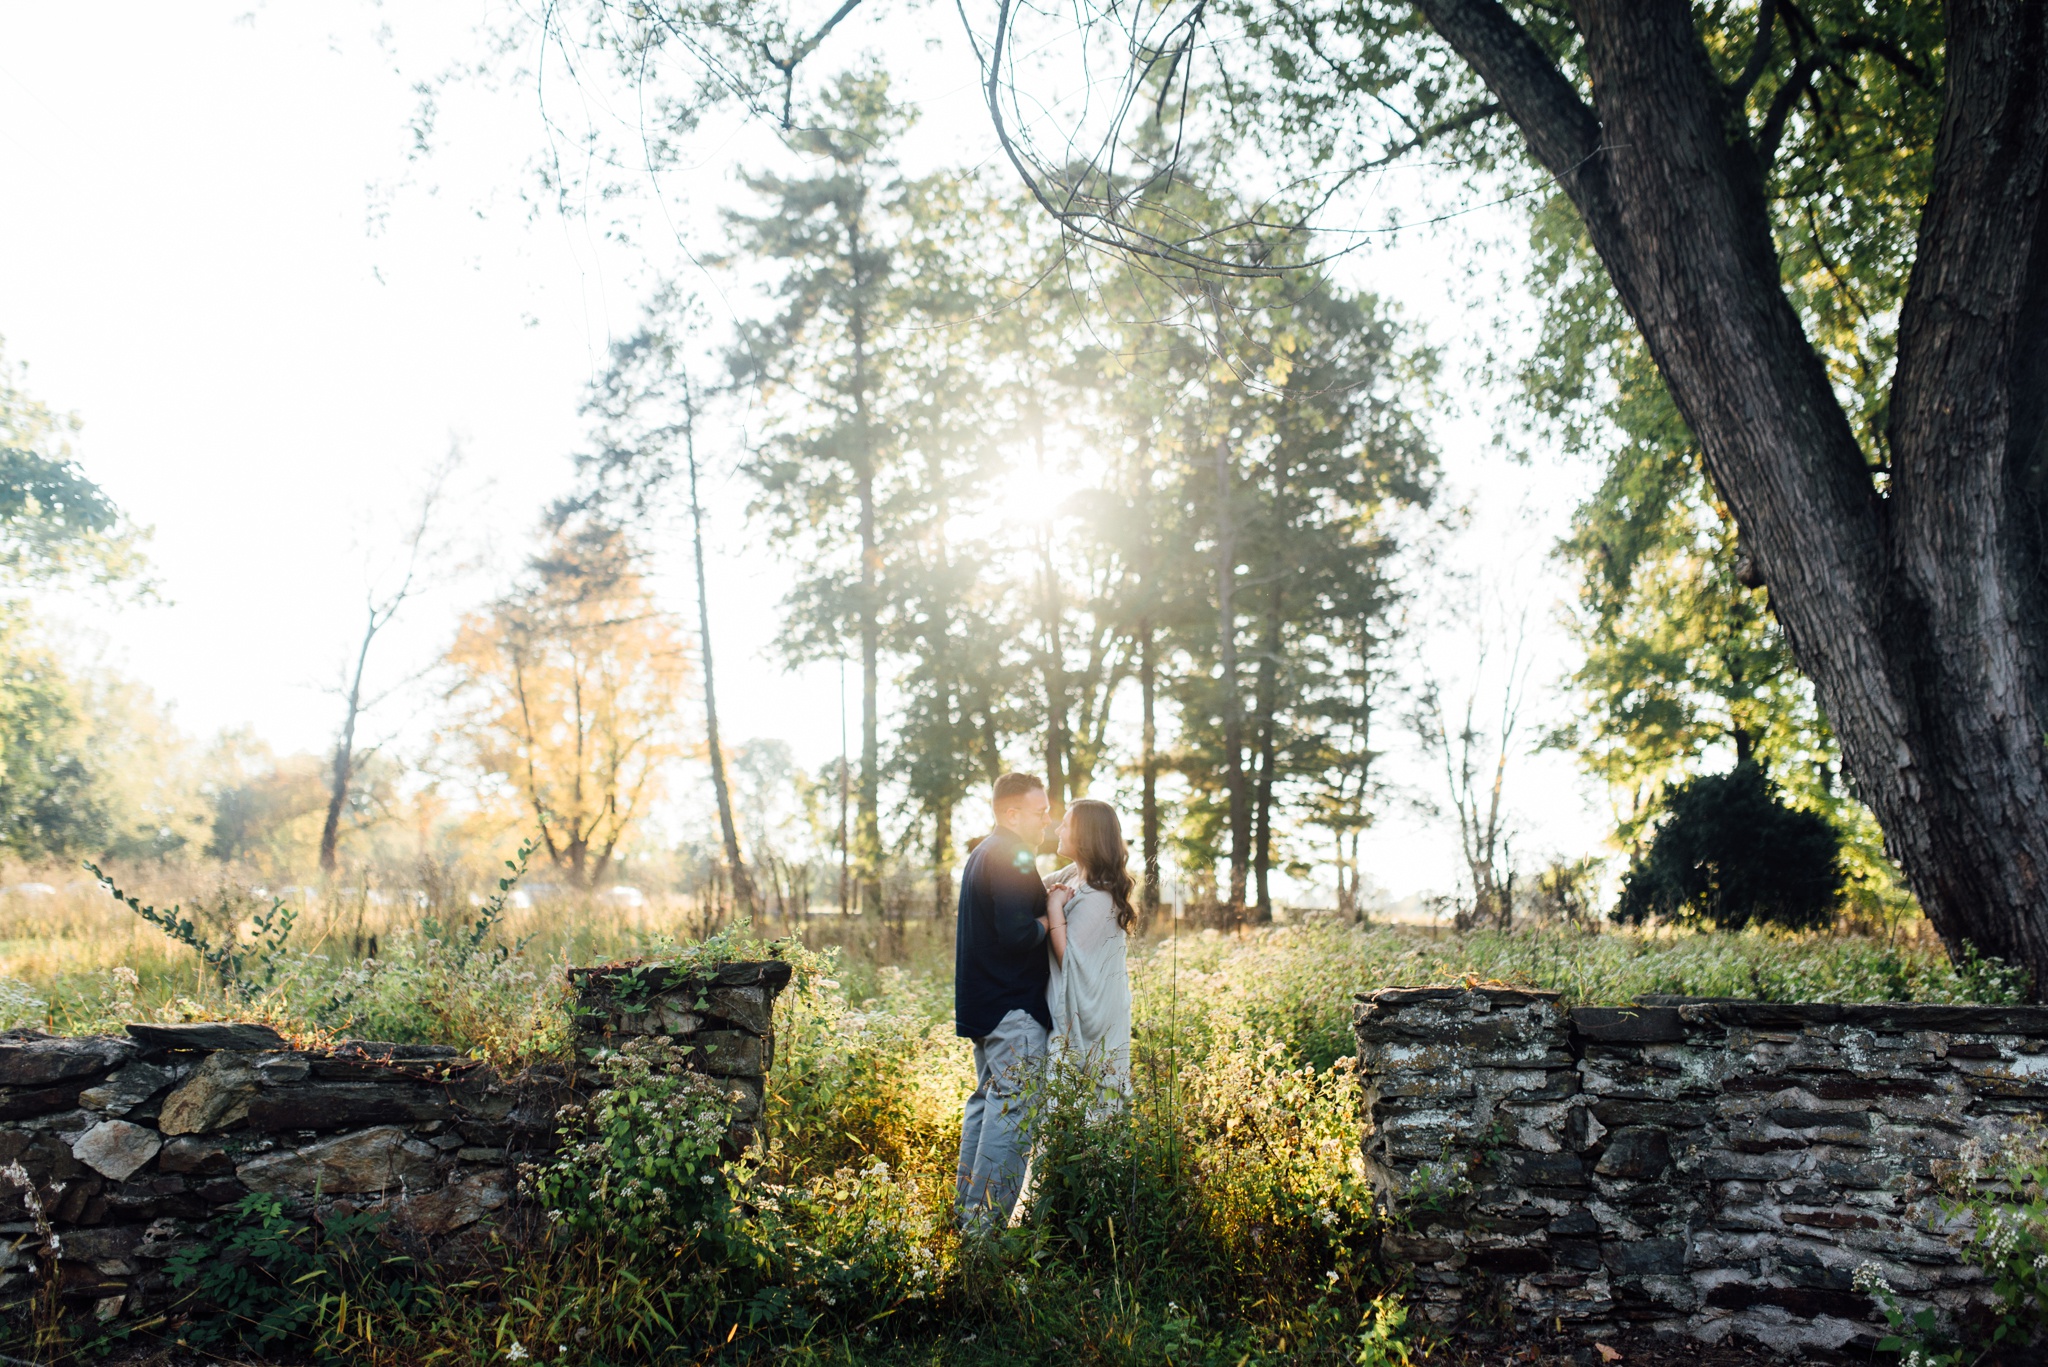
{"x": 218, "y": 252}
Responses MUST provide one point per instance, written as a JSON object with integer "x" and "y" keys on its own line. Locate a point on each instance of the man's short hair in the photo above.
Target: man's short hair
{"x": 1012, "y": 786}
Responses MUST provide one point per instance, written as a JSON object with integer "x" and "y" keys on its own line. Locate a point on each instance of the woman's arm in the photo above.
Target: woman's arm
{"x": 1056, "y": 920}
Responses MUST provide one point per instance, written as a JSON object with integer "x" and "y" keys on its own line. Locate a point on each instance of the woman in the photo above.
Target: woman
{"x": 1088, "y": 920}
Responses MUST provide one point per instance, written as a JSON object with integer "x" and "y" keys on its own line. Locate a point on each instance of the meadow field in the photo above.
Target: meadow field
{"x": 1228, "y": 1222}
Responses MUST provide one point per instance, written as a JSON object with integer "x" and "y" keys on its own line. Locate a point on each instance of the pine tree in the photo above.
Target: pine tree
{"x": 826, "y": 363}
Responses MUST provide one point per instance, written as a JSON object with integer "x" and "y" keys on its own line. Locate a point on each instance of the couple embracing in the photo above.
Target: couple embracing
{"x": 1039, "y": 972}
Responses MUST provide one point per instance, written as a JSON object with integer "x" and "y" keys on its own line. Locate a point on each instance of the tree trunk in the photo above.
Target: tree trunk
{"x": 845, "y": 801}
{"x": 742, "y": 882}
{"x": 868, "y": 838}
{"x": 1267, "y": 702}
{"x": 377, "y": 615}
{"x": 1233, "y": 705}
{"x": 991, "y": 746}
{"x": 1148, "y": 764}
{"x": 953, "y": 720}
{"x": 1918, "y": 612}
{"x": 868, "y": 818}
{"x": 344, "y": 756}
{"x": 942, "y": 861}
{"x": 1050, "y": 615}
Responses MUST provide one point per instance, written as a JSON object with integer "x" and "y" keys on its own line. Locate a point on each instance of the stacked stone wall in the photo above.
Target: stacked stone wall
{"x": 132, "y": 1147}
{"x": 1704, "y": 1168}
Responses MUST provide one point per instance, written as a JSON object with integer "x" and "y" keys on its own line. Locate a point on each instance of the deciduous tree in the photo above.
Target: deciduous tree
{"x": 568, "y": 691}
{"x": 418, "y": 551}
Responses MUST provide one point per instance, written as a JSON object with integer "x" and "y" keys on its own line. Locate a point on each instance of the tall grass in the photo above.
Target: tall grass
{"x": 361, "y": 961}
{"x": 382, "y": 951}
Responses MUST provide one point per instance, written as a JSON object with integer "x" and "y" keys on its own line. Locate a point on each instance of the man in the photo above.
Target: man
{"x": 999, "y": 978}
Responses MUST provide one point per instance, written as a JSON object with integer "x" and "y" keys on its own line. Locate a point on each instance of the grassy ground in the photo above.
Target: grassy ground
{"x": 1227, "y": 1221}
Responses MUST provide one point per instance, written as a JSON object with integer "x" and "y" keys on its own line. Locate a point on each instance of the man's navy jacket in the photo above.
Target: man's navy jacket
{"x": 999, "y": 962}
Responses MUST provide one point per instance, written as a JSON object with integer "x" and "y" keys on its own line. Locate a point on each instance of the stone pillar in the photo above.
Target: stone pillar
{"x": 724, "y": 1018}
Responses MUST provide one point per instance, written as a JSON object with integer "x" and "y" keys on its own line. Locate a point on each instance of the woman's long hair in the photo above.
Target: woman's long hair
{"x": 1100, "y": 851}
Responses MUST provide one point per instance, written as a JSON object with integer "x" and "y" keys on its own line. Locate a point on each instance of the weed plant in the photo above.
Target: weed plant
{"x": 2000, "y": 1211}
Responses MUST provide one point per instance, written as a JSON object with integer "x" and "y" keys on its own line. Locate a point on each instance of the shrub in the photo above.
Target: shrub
{"x": 639, "y": 1164}
{"x": 1730, "y": 853}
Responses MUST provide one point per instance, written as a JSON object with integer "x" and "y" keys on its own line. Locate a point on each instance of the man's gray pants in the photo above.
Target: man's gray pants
{"x": 995, "y": 1133}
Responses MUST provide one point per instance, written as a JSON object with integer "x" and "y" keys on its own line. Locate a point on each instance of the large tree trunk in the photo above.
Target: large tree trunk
{"x": 1919, "y": 613}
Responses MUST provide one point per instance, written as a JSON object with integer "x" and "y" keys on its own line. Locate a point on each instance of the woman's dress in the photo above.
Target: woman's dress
{"x": 1090, "y": 996}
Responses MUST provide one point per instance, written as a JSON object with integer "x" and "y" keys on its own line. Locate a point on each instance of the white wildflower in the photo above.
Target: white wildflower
{"x": 1869, "y": 1278}
{"x": 517, "y": 1352}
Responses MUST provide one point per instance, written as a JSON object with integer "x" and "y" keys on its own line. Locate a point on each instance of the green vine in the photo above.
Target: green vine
{"x": 230, "y": 959}
{"x": 467, "y": 941}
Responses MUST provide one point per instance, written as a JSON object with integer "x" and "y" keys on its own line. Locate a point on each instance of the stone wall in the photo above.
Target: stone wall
{"x": 1715, "y": 1169}
{"x": 132, "y": 1146}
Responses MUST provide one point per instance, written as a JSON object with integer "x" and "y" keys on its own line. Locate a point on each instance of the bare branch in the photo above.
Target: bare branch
{"x": 788, "y": 65}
